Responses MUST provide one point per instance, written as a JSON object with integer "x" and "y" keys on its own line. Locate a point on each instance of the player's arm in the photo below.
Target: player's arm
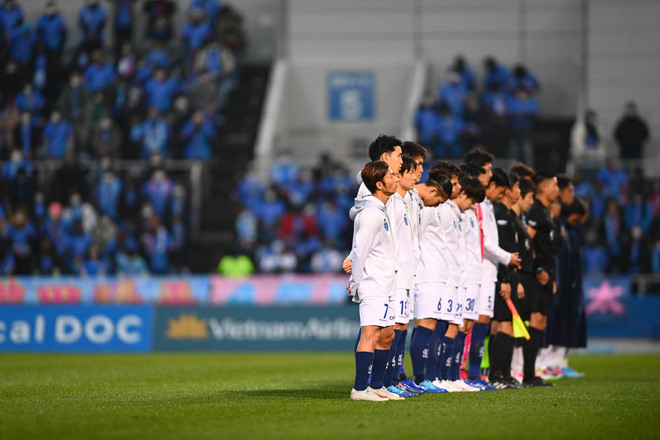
{"x": 495, "y": 253}
{"x": 366, "y": 228}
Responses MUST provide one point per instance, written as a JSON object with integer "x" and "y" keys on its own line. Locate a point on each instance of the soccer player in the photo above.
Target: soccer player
{"x": 372, "y": 278}
{"x": 491, "y": 257}
{"x": 508, "y": 287}
{"x": 541, "y": 229}
{"x": 404, "y": 220}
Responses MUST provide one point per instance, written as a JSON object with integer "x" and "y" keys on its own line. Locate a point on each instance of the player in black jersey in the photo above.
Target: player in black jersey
{"x": 541, "y": 229}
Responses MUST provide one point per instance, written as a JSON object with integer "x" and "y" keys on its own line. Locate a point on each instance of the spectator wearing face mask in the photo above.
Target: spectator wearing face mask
{"x": 58, "y": 136}
{"x": 91, "y": 20}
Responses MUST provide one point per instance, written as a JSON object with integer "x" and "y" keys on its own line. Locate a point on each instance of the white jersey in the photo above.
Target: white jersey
{"x": 373, "y": 249}
{"x": 453, "y": 241}
{"x": 472, "y": 236}
{"x": 493, "y": 253}
{"x": 432, "y": 265}
{"x": 400, "y": 212}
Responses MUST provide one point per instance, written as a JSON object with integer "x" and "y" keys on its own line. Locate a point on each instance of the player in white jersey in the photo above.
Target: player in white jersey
{"x": 372, "y": 280}
{"x": 492, "y": 255}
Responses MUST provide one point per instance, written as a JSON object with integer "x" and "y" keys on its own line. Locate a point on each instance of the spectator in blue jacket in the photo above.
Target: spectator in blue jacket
{"x": 156, "y": 243}
{"x": 77, "y": 244}
{"x": 123, "y": 21}
{"x": 195, "y": 33}
{"x": 153, "y": 135}
{"x": 522, "y": 110}
{"x": 284, "y": 170}
{"x": 159, "y": 15}
{"x": 108, "y": 195}
{"x": 198, "y": 136}
{"x": 448, "y": 135}
{"x": 16, "y": 161}
{"x": 211, "y": 7}
{"x": 158, "y": 192}
{"x": 100, "y": 74}
{"x": 21, "y": 234}
{"x": 26, "y": 135}
{"x": 21, "y": 46}
{"x": 130, "y": 262}
{"x": 426, "y": 120}
{"x": 522, "y": 78}
{"x": 11, "y": 17}
{"x": 52, "y": 34}
{"x": 467, "y": 77}
{"x": 161, "y": 90}
{"x": 58, "y": 136}
{"x": 496, "y": 74}
{"x": 30, "y": 100}
{"x": 91, "y": 20}
{"x": 452, "y": 92}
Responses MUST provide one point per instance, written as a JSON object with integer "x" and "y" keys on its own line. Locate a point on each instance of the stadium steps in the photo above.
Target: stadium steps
{"x": 235, "y": 150}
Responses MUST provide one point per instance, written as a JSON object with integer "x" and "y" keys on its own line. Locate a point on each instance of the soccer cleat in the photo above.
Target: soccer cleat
{"x": 440, "y": 384}
{"x": 368, "y": 395}
{"x": 481, "y": 384}
{"x": 467, "y": 388}
{"x": 536, "y": 382}
{"x": 384, "y": 392}
{"x": 512, "y": 383}
{"x": 428, "y": 387}
{"x": 518, "y": 375}
{"x": 452, "y": 386}
{"x": 395, "y": 389}
{"x": 544, "y": 373}
{"x": 571, "y": 373}
{"x": 410, "y": 386}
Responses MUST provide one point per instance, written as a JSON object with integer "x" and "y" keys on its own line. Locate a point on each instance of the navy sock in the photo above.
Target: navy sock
{"x": 446, "y": 357}
{"x": 378, "y": 371}
{"x": 459, "y": 345}
{"x": 363, "y": 363}
{"x": 479, "y": 332}
{"x": 434, "y": 353}
{"x": 419, "y": 352}
{"x": 401, "y": 354}
{"x": 391, "y": 359}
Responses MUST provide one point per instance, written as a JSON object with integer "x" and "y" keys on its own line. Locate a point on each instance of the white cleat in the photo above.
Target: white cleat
{"x": 441, "y": 384}
{"x": 384, "y": 392}
{"x": 465, "y": 387}
{"x": 451, "y": 386}
{"x": 368, "y": 395}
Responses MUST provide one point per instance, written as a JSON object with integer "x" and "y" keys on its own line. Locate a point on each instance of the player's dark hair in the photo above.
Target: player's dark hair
{"x": 500, "y": 178}
{"x": 408, "y": 164}
{"x": 563, "y": 181}
{"x": 442, "y": 184}
{"x": 579, "y": 206}
{"x": 472, "y": 170}
{"x": 472, "y": 188}
{"x": 413, "y": 149}
{"x": 522, "y": 170}
{"x": 513, "y": 179}
{"x": 374, "y": 172}
{"x": 446, "y": 168}
{"x": 540, "y": 177}
{"x": 526, "y": 186}
{"x": 479, "y": 156}
{"x": 382, "y": 144}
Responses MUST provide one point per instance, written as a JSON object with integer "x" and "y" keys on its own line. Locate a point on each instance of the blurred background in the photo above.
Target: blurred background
{"x": 185, "y": 161}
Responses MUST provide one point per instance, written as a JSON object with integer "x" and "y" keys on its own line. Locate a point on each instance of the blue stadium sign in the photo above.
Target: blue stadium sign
{"x": 76, "y": 328}
{"x": 351, "y": 96}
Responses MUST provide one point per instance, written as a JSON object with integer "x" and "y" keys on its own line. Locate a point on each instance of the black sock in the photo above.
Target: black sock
{"x": 530, "y": 350}
{"x": 506, "y": 366}
{"x": 497, "y": 353}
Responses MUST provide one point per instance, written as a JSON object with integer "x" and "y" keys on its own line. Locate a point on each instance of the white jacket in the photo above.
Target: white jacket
{"x": 453, "y": 241}
{"x": 472, "y": 236}
{"x": 493, "y": 253}
{"x": 373, "y": 250}
{"x": 405, "y": 225}
{"x": 432, "y": 265}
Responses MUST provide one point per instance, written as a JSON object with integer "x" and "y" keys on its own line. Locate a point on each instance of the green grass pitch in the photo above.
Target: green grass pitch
{"x": 305, "y": 396}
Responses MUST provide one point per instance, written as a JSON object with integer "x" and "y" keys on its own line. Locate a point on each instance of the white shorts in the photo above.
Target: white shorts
{"x": 402, "y": 306}
{"x": 460, "y": 309}
{"x": 427, "y": 296}
{"x": 448, "y": 303}
{"x": 470, "y": 303}
{"x": 486, "y": 299}
{"x": 377, "y": 310}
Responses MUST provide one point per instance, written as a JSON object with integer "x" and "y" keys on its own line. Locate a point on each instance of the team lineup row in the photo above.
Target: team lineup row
{"x": 469, "y": 245}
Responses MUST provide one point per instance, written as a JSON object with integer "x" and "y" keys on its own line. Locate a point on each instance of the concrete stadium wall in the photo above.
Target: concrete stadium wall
{"x": 624, "y": 61}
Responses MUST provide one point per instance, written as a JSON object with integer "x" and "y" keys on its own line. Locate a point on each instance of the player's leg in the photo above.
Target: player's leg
{"x": 371, "y": 310}
{"x": 540, "y": 301}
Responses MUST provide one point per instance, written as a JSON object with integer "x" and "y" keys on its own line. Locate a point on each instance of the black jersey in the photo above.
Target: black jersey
{"x": 544, "y": 242}
{"x": 525, "y": 250}
{"x": 507, "y": 237}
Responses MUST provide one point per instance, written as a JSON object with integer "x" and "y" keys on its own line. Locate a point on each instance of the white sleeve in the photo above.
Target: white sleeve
{"x": 366, "y": 227}
{"x": 494, "y": 252}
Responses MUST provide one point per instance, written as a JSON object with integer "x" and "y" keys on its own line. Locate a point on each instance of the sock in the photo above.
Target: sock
{"x": 391, "y": 359}
{"x": 401, "y": 354}
{"x": 434, "y": 353}
{"x": 506, "y": 366}
{"x": 357, "y": 341}
{"x": 446, "y": 357}
{"x": 363, "y": 363}
{"x": 459, "y": 345}
{"x": 530, "y": 350}
{"x": 497, "y": 355}
{"x": 479, "y": 332}
{"x": 378, "y": 372}
{"x": 419, "y": 352}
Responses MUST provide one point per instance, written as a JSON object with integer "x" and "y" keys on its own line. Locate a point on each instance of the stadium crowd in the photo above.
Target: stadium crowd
{"x": 79, "y": 107}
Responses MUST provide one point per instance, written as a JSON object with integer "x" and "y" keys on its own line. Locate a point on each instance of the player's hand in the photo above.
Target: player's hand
{"x": 347, "y": 266}
{"x": 348, "y": 289}
{"x": 554, "y": 287}
{"x": 521, "y": 291}
{"x": 543, "y": 277}
{"x": 515, "y": 260}
{"x": 505, "y": 290}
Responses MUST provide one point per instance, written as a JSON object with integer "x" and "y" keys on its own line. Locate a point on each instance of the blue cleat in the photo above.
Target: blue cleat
{"x": 395, "y": 389}
{"x": 571, "y": 373}
{"x": 480, "y": 384}
{"x": 428, "y": 387}
{"x": 408, "y": 385}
